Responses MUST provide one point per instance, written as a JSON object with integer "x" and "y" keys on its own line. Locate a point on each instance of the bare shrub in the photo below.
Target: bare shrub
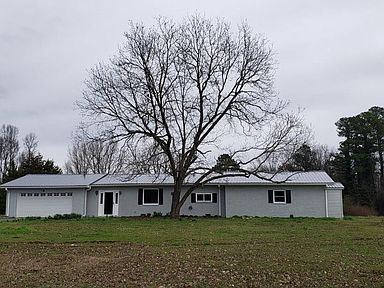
{"x": 351, "y": 209}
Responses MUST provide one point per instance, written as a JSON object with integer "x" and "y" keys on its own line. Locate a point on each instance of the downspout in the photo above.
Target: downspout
{"x": 219, "y": 199}
{"x": 342, "y": 204}
{"x": 7, "y": 198}
{"x": 85, "y": 200}
{"x": 326, "y": 202}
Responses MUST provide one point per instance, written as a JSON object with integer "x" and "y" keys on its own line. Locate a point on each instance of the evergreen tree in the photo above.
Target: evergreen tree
{"x": 30, "y": 162}
{"x": 226, "y": 163}
{"x": 35, "y": 164}
{"x": 309, "y": 158}
{"x": 359, "y": 164}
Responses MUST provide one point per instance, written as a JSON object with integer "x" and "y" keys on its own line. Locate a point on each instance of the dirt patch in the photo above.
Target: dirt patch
{"x": 129, "y": 265}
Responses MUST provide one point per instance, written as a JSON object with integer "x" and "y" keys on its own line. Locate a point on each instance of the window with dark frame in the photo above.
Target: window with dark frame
{"x": 279, "y": 196}
{"x": 204, "y": 197}
{"x": 150, "y": 196}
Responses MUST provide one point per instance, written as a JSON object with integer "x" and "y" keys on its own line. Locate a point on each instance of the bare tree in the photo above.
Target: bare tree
{"x": 309, "y": 157}
{"x": 189, "y": 89}
{"x": 145, "y": 159}
{"x": 323, "y": 157}
{"x": 9, "y": 148}
{"x": 30, "y": 143}
{"x": 92, "y": 156}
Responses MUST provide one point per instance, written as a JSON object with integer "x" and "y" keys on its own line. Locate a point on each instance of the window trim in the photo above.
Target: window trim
{"x": 279, "y": 202}
{"x": 204, "y": 201}
{"x": 158, "y": 197}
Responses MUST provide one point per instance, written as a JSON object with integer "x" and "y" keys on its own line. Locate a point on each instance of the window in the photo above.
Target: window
{"x": 23, "y": 194}
{"x": 56, "y": 194}
{"x": 69, "y": 194}
{"x": 35, "y": 194}
{"x": 116, "y": 198}
{"x": 63, "y": 194}
{"x": 49, "y": 194}
{"x": 279, "y": 196}
{"x": 42, "y": 194}
{"x": 204, "y": 197}
{"x": 29, "y": 194}
{"x": 150, "y": 196}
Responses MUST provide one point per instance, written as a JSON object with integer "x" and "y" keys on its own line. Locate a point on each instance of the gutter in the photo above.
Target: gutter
{"x": 47, "y": 187}
{"x": 211, "y": 184}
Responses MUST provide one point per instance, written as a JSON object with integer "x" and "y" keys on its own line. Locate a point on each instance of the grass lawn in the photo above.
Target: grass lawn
{"x": 199, "y": 252}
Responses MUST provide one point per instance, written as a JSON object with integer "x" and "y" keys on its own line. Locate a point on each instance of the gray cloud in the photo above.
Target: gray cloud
{"x": 3, "y": 92}
{"x": 329, "y": 54}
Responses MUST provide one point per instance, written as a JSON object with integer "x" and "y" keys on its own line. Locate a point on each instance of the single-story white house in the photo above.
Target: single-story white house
{"x": 303, "y": 194}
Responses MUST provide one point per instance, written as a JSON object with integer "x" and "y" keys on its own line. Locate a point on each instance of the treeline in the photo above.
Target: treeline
{"x": 90, "y": 156}
{"x": 358, "y": 163}
{"x": 16, "y": 162}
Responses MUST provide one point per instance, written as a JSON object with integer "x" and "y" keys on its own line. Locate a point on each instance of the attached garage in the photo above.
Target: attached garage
{"x": 43, "y": 204}
{"x": 48, "y": 195}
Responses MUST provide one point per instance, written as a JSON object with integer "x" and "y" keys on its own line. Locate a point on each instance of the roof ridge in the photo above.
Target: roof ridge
{"x": 98, "y": 179}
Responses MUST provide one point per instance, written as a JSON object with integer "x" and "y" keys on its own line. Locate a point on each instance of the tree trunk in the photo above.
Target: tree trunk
{"x": 175, "y": 213}
{"x": 175, "y": 208}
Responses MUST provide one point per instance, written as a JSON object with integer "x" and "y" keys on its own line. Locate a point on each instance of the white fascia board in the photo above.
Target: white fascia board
{"x": 274, "y": 184}
{"x": 47, "y": 187}
{"x": 207, "y": 184}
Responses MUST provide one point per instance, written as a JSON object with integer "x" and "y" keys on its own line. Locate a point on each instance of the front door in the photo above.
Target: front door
{"x": 108, "y": 203}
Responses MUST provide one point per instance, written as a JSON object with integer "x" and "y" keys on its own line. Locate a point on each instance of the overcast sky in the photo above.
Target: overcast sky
{"x": 330, "y": 56}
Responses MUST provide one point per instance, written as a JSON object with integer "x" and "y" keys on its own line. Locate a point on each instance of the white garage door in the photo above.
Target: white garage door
{"x": 43, "y": 204}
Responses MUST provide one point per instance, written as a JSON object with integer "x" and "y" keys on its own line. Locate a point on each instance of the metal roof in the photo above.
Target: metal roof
{"x": 133, "y": 179}
{"x": 335, "y": 185}
{"x": 49, "y": 180}
{"x": 52, "y": 181}
{"x": 310, "y": 178}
